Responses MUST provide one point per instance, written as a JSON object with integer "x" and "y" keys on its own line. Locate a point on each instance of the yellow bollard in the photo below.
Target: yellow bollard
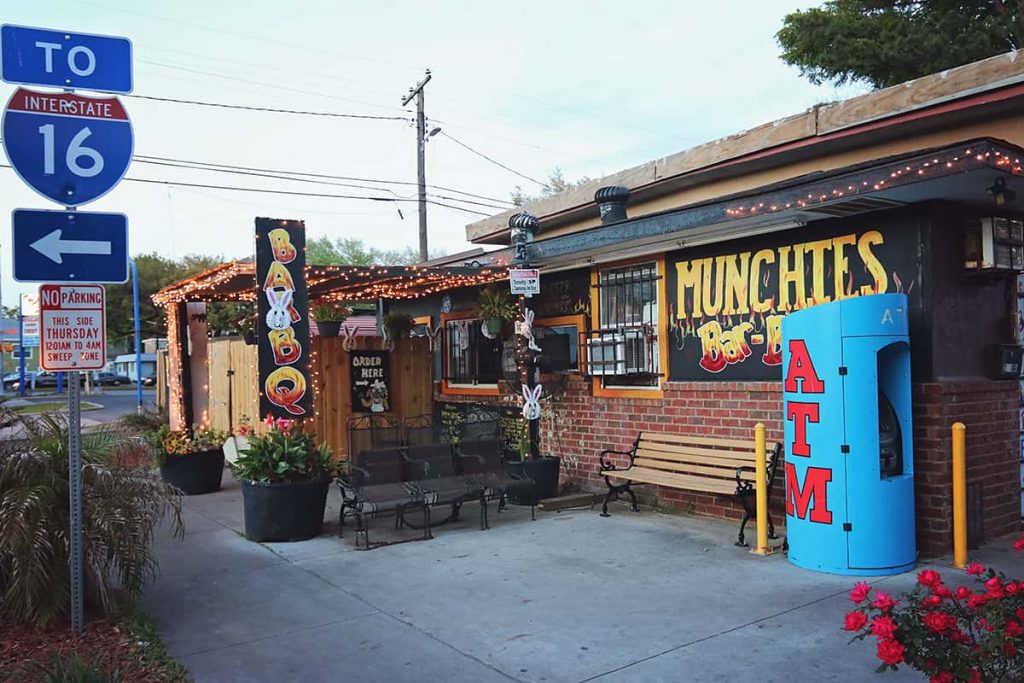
{"x": 761, "y": 483}
{"x": 959, "y": 497}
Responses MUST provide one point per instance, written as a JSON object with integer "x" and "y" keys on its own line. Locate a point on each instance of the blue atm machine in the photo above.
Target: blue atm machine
{"x": 848, "y": 437}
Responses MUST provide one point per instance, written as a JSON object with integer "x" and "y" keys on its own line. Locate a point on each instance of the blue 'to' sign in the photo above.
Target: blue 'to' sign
{"x": 36, "y": 56}
{"x": 68, "y": 148}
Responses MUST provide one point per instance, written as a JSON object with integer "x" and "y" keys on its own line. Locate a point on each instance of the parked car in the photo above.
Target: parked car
{"x": 149, "y": 380}
{"x": 43, "y": 380}
{"x": 10, "y": 381}
{"x": 110, "y": 379}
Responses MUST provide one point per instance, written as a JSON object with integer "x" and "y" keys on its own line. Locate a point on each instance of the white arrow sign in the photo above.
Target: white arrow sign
{"x": 53, "y": 247}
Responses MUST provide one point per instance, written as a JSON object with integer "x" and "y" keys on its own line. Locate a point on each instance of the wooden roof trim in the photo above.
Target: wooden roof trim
{"x": 820, "y": 121}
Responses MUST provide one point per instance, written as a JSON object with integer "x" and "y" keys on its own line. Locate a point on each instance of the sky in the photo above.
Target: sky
{"x": 588, "y": 87}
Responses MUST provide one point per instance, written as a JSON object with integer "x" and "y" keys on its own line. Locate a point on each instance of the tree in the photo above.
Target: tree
{"x": 349, "y": 251}
{"x": 155, "y": 273}
{"x": 556, "y": 183}
{"x": 885, "y": 42}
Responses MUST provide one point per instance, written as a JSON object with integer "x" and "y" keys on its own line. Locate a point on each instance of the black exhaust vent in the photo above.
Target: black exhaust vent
{"x": 612, "y": 203}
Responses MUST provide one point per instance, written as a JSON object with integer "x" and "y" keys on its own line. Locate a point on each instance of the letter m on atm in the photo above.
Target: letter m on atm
{"x": 812, "y": 495}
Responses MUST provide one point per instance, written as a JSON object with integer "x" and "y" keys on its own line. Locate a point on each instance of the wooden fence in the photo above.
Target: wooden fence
{"x": 235, "y": 395}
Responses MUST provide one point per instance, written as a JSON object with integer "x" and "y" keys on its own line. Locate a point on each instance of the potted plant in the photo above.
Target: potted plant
{"x": 397, "y": 325}
{"x": 284, "y": 477}
{"x": 190, "y": 460}
{"x": 329, "y": 315}
{"x": 495, "y": 306}
{"x": 238, "y": 440}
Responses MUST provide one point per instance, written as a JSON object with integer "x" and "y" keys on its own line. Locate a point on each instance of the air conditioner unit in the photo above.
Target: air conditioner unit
{"x": 636, "y": 352}
{"x": 606, "y": 355}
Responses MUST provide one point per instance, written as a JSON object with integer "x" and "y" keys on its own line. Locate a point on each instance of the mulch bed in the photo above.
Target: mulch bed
{"x": 106, "y": 638}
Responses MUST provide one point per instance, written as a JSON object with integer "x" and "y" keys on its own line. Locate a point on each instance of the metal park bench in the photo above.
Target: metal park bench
{"x": 483, "y": 461}
{"x": 723, "y": 467}
{"x": 376, "y": 484}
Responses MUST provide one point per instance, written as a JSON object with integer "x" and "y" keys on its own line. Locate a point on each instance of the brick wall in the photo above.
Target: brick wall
{"x": 580, "y": 425}
{"x": 990, "y": 412}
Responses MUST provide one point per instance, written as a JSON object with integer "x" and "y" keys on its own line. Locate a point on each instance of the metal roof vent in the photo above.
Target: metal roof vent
{"x": 611, "y": 201}
{"x": 851, "y": 207}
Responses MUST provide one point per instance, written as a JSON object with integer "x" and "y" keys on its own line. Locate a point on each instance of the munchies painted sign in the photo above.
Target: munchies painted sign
{"x": 282, "y": 319}
{"x": 727, "y": 301}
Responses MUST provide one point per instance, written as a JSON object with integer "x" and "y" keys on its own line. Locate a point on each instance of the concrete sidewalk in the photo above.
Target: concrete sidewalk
{"x": 569, "y": 597}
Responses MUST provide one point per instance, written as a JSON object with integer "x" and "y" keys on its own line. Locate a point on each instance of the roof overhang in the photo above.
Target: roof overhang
{"x": 959, "y": 173}
{"x": 236, "y": 281}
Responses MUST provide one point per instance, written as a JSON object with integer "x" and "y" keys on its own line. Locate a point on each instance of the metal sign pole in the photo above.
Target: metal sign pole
{"x": 75, "y": 487}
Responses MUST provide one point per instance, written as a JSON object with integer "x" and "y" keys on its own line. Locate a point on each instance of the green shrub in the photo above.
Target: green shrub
{"x": 71, "y": 669}
{"x": 144, "y": 422}
{"x": 120, "y": 510}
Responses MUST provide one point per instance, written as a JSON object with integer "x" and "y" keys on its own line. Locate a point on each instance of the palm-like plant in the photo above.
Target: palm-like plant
{"x": 121, "y": 508}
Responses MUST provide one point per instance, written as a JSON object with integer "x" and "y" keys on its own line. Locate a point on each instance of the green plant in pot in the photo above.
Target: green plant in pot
{"x": 191, "y": 460}
{"x": 495, "y": 306}
{"x": 285, "y": 476}
{"x": 397, "y": 325}
{"x": 329, "y": 315}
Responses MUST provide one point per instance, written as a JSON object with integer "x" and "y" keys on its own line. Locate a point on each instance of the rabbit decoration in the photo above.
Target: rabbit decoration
{"x": 432, "y": 335}
{"x": 528, "y": 316}
{"x": 278, "y": 317}
{"x": 531, "y": 405}
{"x": 348, "y": 339}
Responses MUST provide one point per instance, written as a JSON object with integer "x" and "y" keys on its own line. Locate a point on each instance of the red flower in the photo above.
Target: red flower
{"x": 963, "y": 592}
{"x": 994, "y": 588}
{"x": 942, "y": 677}
{"x": 975, "y": 569}
{"x": 960, "y": 637}
{"x": 975, "y": 677}
{"x": 1019, "y": 613}
{"x": 943, "y": 592}
{"x": 929, "y": 578}
{"x": 860, "y": 592}
{"x": 890, "y": 651}
{"x": 939, "y": 622}
{"x": 1019, "y": 544}
{"x": 855, "y": 620}
{"x": 1012, "y": 588}
{"x": 983, "y": 622}
{"x": 1014, "y": 629}
{"x": 931, "y": 601}
{"x": 883, "y": 627}
{"x": 976, "y": 600}
{"x": 883, "y": 602}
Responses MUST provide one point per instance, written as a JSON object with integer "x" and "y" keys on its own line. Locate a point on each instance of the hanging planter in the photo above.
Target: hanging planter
{"x": 495, "y": 306}
{"x": 493, "y": 326}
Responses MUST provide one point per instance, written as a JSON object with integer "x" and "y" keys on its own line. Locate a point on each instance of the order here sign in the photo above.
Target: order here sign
{"x": 73, "y": 327}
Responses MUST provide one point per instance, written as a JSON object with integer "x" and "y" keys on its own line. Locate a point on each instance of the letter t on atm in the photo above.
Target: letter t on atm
{"x": 801, "y": 378}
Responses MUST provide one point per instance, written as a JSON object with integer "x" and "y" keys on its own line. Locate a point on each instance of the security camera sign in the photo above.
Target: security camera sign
{"x": 524, "y": 280}
{"x": 72, "y": 327}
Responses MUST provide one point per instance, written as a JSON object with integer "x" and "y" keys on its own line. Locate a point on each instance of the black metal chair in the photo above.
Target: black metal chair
{"x": 433, "y": 466}
{"x": 376, "y": 484}
{"x": 420, "y": 430}
{"x": 373, "y": 432}
{"x": 483, "y": 462}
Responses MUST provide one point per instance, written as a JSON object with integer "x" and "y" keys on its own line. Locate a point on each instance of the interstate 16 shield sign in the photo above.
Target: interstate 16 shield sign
{"x": 69, "y": 148}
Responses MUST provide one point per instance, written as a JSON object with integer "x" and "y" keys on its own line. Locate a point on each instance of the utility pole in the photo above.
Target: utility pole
{"x": 421, "y": 166}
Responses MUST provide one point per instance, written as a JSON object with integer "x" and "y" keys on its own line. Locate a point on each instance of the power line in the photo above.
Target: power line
{"x": 273, "y": 110}
{"x": 292, "y": 193}
{"x": 275, "y": 176}
{"x": 495, "y": 162}
{"x": 201, "y": 164}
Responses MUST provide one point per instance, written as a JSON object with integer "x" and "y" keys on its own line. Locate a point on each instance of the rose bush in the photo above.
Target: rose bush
{"x": 966, "y": 635}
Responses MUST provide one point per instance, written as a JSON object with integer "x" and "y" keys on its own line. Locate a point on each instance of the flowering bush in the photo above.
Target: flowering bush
{"x": 283, "y": 453}
{"x": 244, "y": 428}
{"x": 960, "y": 635}
{"x": 168, "y": 443}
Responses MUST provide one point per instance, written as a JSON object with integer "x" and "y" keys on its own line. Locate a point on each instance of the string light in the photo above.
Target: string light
{"x": 889, "y": 176}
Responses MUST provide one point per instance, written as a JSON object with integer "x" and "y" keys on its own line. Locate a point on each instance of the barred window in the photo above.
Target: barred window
{"x": 623, "y": 351}
{"x": 471, "y": 359}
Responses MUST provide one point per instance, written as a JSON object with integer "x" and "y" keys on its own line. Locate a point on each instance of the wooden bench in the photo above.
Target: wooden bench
{"x": 723, "y": 467}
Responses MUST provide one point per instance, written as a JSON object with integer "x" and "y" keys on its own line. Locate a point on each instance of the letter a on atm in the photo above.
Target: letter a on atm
{"x": 801, "y": 368}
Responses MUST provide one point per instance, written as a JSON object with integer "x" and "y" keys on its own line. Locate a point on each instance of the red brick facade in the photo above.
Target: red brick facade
{"x": 580, "y": 425}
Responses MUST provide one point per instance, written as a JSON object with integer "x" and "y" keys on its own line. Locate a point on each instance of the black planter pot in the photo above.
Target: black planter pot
{"x": 249, "y": 338}
{"x": 194, "y": 473}
{"x": 543, "y": 472}
{"x": 284, "y": 512}
{"x": 329, "y": 328}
